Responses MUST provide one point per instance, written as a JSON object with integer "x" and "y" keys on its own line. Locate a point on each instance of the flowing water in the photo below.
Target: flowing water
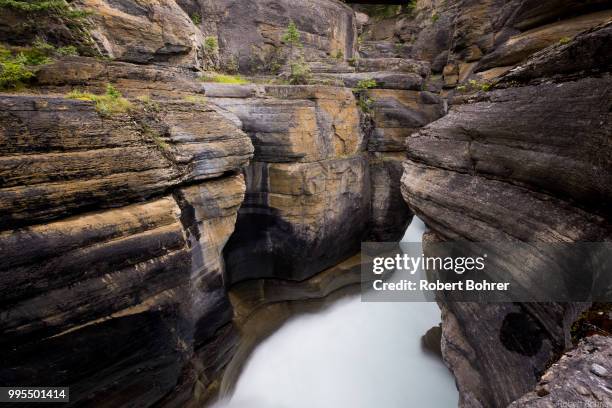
{"x": 352, "y": 354}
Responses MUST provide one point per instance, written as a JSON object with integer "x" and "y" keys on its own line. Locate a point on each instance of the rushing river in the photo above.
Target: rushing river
{"x": 352, "y": 354}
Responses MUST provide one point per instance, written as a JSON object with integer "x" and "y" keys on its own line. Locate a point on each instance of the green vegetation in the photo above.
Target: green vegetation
{"x": 352, "y": 61}
{"x": 223, "y": 78}
{"x": 17, "y": 66}
{"x": 366, "y": 84}
{"x": 55, "y": 20}
{"x": 292, "y": 35}
{"x": 211, "y": 45}
{"x": 363, "y": 101}
{"x": 50, "y": 8}
{"x": 110, "y": 103}
{"x": 149, "y": 104}
{"x": 69, "y": 50}
{"x": 473, "y": 85}
{"x": 230, "y": 65}
{"x": 435, "y": 17}
{"x": 157, "y": 138}
{"x": 564, "y": 40}
{"x": 13, "y": 70}
{"x": 300, "y": 72}
{"x": 199, "y": 99}
{"x": 339, "y": 55}
{"x": 196, "y": 18}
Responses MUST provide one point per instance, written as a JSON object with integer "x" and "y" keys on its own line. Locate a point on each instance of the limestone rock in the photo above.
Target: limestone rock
{"x": 303, "y": 124}
{"x": 156, "y": 31}
{"x": 493, "y": 170}
{"x": 397, "y": 114}
{"x": 250, "y": 33}
{"x": 383, "y": 79}
{"x": 61, "y": 156}
{"x": 390, "y": 214}
{"x": 298, "y": 211}
{"x": 120, "y": 289}
{"x": 517, "y": 48}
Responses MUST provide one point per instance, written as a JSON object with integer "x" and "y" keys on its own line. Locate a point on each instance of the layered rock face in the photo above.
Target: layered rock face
{"x": 317, "y": 175}
{"x": 481, "y": 40}
{"x": 529, "y": 161}
{"x": 308, "y": 184}
{"x": 112, "y": 232}
{"x": 250, "y": 33}
{"x": 146, "y": 32}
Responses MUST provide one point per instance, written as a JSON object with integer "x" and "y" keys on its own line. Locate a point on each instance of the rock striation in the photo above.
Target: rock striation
{"x": 112, "y": 232}
{"x": 250, "y": 34}
{"x": 493, "y": 170}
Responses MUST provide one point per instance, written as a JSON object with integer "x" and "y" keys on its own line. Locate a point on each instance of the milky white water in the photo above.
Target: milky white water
{"x": 351, "y": 355}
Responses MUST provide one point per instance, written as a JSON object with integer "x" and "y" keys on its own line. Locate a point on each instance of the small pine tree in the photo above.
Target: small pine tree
{"x": 292, "y": 35}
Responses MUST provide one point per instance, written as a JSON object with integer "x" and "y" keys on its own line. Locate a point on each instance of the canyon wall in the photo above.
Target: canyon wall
{"x": 528, "y": 160}
{"x": 112, "y": 235}
{"x": 137, "y": 245}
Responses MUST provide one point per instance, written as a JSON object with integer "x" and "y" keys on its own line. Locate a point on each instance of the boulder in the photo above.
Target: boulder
{"x": 156, "y": 31}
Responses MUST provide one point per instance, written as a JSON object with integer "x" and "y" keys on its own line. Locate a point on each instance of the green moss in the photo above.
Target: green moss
{"x": 435, "y": 17}
{"x": 223, "y": 78}
{"x": 339, "y": 55}
{"x": 564, "y": 40}
{"x": 472, "y": 86}
{"x": 110, "y": 103}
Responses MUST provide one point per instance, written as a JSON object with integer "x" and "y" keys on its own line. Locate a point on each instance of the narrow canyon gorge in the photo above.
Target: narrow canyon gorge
{"x": 179, "y": 178}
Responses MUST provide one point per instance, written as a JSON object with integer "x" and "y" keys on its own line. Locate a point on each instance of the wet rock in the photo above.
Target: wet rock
{"x": 298, "y": 211}
{"x": 431, "y": 341}
{"x": 390, "y": 215}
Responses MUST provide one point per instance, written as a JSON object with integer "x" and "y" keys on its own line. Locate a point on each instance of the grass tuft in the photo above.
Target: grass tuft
{"x": 107, "y": 104}
{"x": 223, "y": 78}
